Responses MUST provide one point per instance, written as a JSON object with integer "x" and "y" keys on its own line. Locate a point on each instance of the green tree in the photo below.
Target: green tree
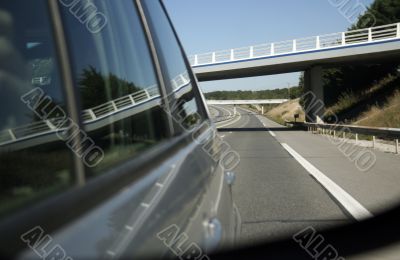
{"x": 355, "y": 78}
{"x": 97, "y": 89}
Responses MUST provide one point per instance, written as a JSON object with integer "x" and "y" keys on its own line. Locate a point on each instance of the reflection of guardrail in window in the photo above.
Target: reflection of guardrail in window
{"x": 121, "y": 103}
{"x": 180, "y": 80}
{"x": 374, "y": 34}
{"x": 89, "y": 115}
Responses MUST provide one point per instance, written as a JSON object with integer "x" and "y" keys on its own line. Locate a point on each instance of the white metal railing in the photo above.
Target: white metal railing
{"x": 91, "y": 114}
{"x": 180, "y": 81}
{"x": 378, "y": 33}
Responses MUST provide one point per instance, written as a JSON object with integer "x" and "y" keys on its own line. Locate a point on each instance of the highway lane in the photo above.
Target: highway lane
{"x": 277, "y": 194}
{"x": 220, "y": 113}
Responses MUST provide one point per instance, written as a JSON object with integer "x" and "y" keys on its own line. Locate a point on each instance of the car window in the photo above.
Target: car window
{"x": 34, "y": 161}
{"x": 185, "y": 104}
{"x": 116, "y": 80}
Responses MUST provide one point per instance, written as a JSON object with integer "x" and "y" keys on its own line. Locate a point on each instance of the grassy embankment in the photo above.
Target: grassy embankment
{"x": 377, "y": 106}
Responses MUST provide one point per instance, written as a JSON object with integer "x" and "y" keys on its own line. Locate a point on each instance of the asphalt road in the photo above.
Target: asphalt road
{"x": 288, "y": 180}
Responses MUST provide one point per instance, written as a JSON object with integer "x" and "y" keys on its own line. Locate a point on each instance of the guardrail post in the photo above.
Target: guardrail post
{"x": 196, "y": 59}
{"x": 318, "y": 43}
{"x": 232, "y": 54}
{"x": 148, "y": 93}
{"x": 115, "y": 106}
{"x": 132, "y": 99}
{"x": 50, "y": 125}
{"x": 356, "y": 138}
{"x": 370, "y": 34}
{"x": 398, "y": 30}
{"x": 272, "y": 49}
{"x": 343, "y": 38}
{"x": 213, "y": 57}
{"x": 373, "y": 141}
{"x": 334, "y": 133}
{"x": 344, "y": 135}
{"x": 92, "y": 114}
{"x": 251, "y": 52}
{"x": 294, "y": 45}
{"x": 12, "y": 135}
{"x": 184, "y": 80}
{"x": 397, "y": 146}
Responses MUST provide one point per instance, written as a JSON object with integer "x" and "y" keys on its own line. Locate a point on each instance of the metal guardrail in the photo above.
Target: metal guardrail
{"x": 371, "y": 131}
{"x": 382, "y": 132}
{"x": 333, "y": 40}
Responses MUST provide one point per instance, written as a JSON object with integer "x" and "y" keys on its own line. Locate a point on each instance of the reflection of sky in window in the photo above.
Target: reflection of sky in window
{"x": 166, "y": 39}
{"x": 120, "y": 48}
{"x": 31, "y": 45}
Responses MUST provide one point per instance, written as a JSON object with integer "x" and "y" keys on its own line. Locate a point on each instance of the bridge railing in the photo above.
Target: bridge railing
{"x": 102, "y": 111}
{"x": 354, "y": 37}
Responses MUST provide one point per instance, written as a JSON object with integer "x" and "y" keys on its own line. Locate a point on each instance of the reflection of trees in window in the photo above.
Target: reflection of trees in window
{"x": 185, "y": 109}
{"x": 97, "y": 89}
{"x": 44, "y": 108}
{"x": 18, "y": 184}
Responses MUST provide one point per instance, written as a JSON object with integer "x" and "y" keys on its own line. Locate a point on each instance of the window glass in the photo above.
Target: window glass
{"x": 114, "y": 73}
{"x": 34, "y": 161}
{"x": 185, "y": 105}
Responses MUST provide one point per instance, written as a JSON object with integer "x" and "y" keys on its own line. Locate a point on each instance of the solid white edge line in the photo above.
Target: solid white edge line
{"x": 226, "y": 110}
{"x": 270, "y": 132}
{"x": 230, "y": 122}
{"x": 352, "y": 206}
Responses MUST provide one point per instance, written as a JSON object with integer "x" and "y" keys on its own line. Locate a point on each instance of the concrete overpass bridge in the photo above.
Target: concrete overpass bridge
{"x": 256, "y": 103}
{"x": 310, "y": 54}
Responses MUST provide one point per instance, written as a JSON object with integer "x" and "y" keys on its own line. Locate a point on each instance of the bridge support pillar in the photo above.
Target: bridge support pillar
{"x": 314, "y": 97}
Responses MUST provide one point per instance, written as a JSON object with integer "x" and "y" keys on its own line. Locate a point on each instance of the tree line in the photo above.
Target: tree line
{"x": 283, "y": 93}
{"x": 354, "y": 79}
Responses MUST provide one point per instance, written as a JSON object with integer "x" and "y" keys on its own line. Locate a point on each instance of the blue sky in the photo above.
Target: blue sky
{"x": 210, "y": 25}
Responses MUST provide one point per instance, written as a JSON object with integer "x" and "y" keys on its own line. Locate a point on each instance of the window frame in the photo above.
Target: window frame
{"x": 168, "y": 123}
{"x": 202, "y": 110}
